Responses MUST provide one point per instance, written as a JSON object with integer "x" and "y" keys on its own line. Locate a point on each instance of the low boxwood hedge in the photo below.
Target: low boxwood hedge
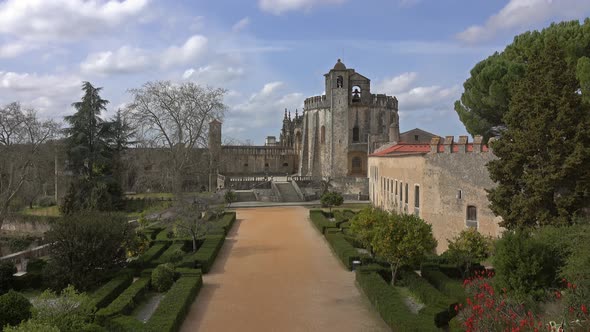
{"x": 205, "y": 256}
{"x": 171, "y": 312}
{"x": 164, "y": 236}
{"x": 149, "y": 255}
{"x": 109, "y": 291}
{"x": 318, "y": 218}
{"x": 125, "y": 324}
{"x": 125, "y": 302}
{"x": 450, "y": 287}
{"x": 439, "y": 305}
{"x": 390, "y": 304}
{"x": 226, "y": 222}
{"x": 343, "y": 249}
{"x": 168, "y": 255}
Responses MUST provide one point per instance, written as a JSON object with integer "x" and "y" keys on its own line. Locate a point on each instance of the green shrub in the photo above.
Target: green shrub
{"x": 46, "y": 201}
{"x": 36, "y": 265}
{"x": 125, "y": 302}
{"x": 205, "y": 256}
{"x": 7, "y": 269}
{"x": 14, "y": 308}
{"x": 69, "y": 311}
{"x": 450, "y": 287}
{"x": 343, "y": 249}
{"x": 31, "y": 326}
{"x": 388, "y": 301}
{"x": 353, "y": 240}
{"x": 318, "y": 218}
{"x": 163, "y": 277}
{"x": 109, "y": 291}
{"x": 173, "y": 309}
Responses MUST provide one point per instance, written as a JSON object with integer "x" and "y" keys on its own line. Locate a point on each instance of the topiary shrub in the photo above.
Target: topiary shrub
{"x": 163, "y": 277}
{"x": 7, "y": 269}
{"x": 14, "y": 308}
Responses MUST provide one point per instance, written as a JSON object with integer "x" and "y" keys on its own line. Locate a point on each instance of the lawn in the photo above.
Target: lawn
{"x": 50, "y": 211}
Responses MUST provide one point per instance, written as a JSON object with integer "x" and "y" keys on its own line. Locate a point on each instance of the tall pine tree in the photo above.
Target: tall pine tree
{"x": 543, "y": 165}
{"x": 90, "y": 150}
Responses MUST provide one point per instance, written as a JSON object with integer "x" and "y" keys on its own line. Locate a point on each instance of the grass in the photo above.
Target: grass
{"x": 50, "y": 211}
{"x": 167, "y": 195}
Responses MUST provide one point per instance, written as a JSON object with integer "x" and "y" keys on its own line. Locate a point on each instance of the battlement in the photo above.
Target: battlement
{"x": 316, "y": 102}
{"x": 258, "y": 150}
{"x": 383, "y": 100}
{"x": 448, "y": 145}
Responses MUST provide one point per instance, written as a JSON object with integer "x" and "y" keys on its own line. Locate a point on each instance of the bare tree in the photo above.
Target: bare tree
{"x": 190, "y": 221}
{"x": 175, "y": 118}
{"x": 21, "y": 136}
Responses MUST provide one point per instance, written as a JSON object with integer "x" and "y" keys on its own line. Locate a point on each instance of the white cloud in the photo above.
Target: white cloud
{"x": 12, "y": 49}
{"x": 124, "y": 60}
{"x": 241, "y": 24}
{"x": 278, "y": 7}
{"x": 192, "y": 49}
{"x": 214, "y": 74}
{"x": 518, "y": 14}
{"x": 64, "y": 19}
{"x": 50, "y": 94}
{"x": 412, "y": 97}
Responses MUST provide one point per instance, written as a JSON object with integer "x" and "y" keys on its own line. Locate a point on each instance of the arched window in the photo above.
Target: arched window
{"x": 471, "y": 216}
{"x": 355, "y": 134}
{"x": 323, "y": 134}
{"x": 356, "y": 93}
{"x": 339, "y": 81}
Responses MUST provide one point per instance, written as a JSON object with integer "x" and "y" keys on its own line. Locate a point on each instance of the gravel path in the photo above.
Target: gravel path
{"x": 276, "y": 273}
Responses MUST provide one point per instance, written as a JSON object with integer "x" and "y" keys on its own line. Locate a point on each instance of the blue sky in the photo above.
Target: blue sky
{"x": 269, "y": 54}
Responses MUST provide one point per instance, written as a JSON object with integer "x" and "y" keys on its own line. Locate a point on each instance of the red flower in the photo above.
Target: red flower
{"x": 584, "y": 309}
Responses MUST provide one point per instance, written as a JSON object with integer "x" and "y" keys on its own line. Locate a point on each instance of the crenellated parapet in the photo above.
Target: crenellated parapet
{"x": 316, "y": 102}
{"x": 258, "y": 150}
{"x": 462, "y": 145}
{"x": 382, "y": 100}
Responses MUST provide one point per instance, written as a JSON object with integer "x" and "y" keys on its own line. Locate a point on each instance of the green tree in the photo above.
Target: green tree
{"x": 91, "y": 143}
{"x": 14, "y": 308}
{"x": 489, "y": 89}
{"x": 331, "y": 199}
{"x": 402, "y": 240}
{"x": 69, "y": 311}
{"x": 85, "y": 247}
{"x": 365, "y": 223}
{"x": 7, "y": 269}
{"x": 230, "y": 197}
{"x": 163, "y": 277}
{"x": 469, "y": 247}
{"x": 543, "y": 165}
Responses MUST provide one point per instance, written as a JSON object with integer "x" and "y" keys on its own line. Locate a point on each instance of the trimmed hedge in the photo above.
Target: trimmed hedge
{"x": 125, "y": 302}
{"x": 450, "y": 287}
{"x": 149, "y": 255}
{"x": 438, "y": 304}
{"x": 205, "y": 256}
{"x": 163, "y": 236}
{"x": 175, "y": 305}
{"x": 353, "y": 240}
{"x": 318, "y": 218}
{"x": 169, "y": 253}
{"x": 390, "y": 304}
{"x": 343, "y": 249}
{"x": 226, "y": 222}
{"x": 125, "y": 324}
{"x": 109, "y": 291}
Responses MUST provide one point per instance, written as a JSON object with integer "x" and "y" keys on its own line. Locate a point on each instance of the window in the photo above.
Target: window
{"x": 401, "y": 192}
{"x": 246, "y": 165}
{"x": 395, "y": 187}
{"x": 356, "y": 134}
{"x": 471, "y": 216}
{"x": 417, "y": 200}
{"x": 339, "y": 81}
{"x": 406, "y": 193}
{"x": 391, "y": 186}
{"x": 356, "y": 93}
{"x": 459, "y": 194}
{"x": 323, "y": 135}
{"x": 357, "y": 164}
{"x": 266, "y": 165}
{"x": 285, "y": 164}
{"x": 416, "y": 138}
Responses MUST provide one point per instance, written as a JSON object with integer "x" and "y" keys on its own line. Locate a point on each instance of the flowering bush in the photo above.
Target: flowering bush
{"x": 489, "y": 310}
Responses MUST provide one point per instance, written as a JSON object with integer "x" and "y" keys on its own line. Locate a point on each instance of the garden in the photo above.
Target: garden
{"x": 141, "y": 278}
{"x": 539, "y": 278}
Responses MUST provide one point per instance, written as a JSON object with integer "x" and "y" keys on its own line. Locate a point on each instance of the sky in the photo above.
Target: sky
{"x": 268, "y": 54}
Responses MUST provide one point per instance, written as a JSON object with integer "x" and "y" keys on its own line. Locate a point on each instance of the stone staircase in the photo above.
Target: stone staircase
{"x": 288, "y": 193}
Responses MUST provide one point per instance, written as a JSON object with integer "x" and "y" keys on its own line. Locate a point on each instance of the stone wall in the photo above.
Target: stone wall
{"x": 258, "y": 160}
{"x": 447, "y": 184}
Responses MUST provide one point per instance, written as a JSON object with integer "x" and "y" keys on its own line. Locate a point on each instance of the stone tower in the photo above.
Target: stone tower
{"x": 343, "y": 126}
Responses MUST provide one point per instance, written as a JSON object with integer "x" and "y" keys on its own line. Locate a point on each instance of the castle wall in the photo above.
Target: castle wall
{"x": 447, "y": 183}
{"x": 258, "y": 160}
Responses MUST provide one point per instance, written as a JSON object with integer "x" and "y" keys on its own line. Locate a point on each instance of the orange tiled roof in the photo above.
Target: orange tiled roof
{"x": 402, "y": 149}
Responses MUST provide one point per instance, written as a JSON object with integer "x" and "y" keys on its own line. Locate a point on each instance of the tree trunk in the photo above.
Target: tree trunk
{"x": 194, "y": 244}
{"x": 393, "y": 273}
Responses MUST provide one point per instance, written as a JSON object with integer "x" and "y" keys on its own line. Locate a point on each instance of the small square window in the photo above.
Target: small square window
{"x": 416, "y": 138}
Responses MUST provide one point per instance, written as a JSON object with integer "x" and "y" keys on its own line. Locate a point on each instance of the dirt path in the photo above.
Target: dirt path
{"x": 276, "y": 273}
